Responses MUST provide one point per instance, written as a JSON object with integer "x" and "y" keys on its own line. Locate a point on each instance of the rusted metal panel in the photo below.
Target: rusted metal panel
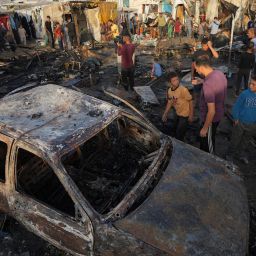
{"x": 59, "y": 230}
{"x": 4, "y": 185}
{"x": 112, "y": 242}
{"x": 54, "y": 118}
{"x": 198, "y": 208}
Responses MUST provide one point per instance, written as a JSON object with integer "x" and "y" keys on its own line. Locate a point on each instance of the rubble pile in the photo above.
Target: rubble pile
{"x": 43, "y": 68}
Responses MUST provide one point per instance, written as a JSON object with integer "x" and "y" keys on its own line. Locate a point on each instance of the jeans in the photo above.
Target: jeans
{"x": 242, "y": 73}
{"x": 128, "y": 78}
{"x": 50, "y": 38}
{"x": 60, "y": 42}
{"x": 207, "y": 143}
{"x": 161, "y": 31}
{"x": 180, "y": 127}
{"x": 189, "y": 32}
{"x": 240, "y": 137}
{"x": 72, "y": 39}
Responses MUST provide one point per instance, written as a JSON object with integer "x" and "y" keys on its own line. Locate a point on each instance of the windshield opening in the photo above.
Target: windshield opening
{"x": 106, "y": 167}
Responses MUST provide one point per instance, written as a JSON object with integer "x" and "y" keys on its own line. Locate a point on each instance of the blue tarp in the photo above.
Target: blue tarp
{"x": 126, "y": 3}
{"x": 166, "y": 7}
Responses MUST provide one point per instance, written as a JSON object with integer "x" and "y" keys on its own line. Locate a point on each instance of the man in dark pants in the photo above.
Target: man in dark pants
{"x": 244, "y": 114}
{"x": 71, "y": 32}
{"x": 181, "y": 100}
{"x": 213, "y": 95}
{"x": 126, "y": 51}
{"x": 48, "y": 28}
{"x": 246, "y": 63}
{"x": 252, "y": 37}
{"x": 206, "y": 50}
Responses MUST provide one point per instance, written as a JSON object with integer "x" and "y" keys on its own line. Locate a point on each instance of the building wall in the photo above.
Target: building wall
{"x": 137, "y": 4}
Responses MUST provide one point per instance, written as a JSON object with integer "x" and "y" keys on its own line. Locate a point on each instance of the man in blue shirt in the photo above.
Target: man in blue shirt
{"x": 244, "y": 114}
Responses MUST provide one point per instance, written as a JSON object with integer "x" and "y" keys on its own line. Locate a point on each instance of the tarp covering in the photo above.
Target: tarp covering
{"x": 237, "y": 3}
{"x": 93, "y": 22}
{"x": 166, "y": 6}
{"x": 55, "y": 11}
{"x": 212, "y": 10}
{"x": 107, "y": 11}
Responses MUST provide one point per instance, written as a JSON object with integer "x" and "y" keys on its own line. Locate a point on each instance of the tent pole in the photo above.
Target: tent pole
{"x": 231, "y": 42}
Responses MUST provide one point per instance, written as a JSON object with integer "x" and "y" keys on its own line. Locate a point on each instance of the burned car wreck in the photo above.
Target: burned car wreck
{"x": 94, "y": 179}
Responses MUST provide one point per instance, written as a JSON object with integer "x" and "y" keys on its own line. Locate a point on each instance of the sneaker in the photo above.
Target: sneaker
{"x": 244, "y": 160}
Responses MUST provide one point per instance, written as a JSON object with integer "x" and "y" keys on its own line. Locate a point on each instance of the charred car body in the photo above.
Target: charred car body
{"x": 93, "y": 179}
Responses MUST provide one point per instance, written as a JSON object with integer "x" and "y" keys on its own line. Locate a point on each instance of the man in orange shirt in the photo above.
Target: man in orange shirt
{"x": 181, "y": 100}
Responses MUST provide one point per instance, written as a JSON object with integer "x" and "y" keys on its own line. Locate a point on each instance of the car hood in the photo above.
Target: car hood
{"x": 199, "y": 207}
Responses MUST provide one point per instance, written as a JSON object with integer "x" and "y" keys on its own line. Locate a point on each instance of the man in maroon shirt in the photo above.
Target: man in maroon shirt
{"x": 126, "y": 51}
{"x": 213, "y": 95}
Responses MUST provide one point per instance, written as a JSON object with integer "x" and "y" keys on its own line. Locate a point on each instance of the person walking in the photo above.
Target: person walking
{"x": 177, "y": 27}
{"x": 202, "y": 28}
{"x": 189, "y": 25}
{"x": 180, "y": 99}
{"x": 214, "y": 26}
{"x": 71, "y": 32}
{"x": 252, "y": 37}
{"x": 244, "y": 114}
{"x": 126, "y": 51}
{"x": 206, "y": 50}
{"x": 58, "y": 34}
{"x": 245, "y": 65}
{"x": 213, "y": 95}
{"x": 170, "y": 27}
{"x": 49, "y": 32}
{"x": 161, "y": 25}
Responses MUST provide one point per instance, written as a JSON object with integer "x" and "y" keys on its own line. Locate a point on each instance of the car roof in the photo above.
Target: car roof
{"x": 54, "y": 118}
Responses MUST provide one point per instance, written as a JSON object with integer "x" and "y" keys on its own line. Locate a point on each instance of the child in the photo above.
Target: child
{"x": 156, "y": 69}
{"x": 59, "y": 35}
{"x": 246, "y": 63}
{"x": 177, "y": 27}
{"x": 181, "y": 100}
{"x": 244, "y": 114}
{"x": 170, "y": 27}
{"x": 22, "y": 35}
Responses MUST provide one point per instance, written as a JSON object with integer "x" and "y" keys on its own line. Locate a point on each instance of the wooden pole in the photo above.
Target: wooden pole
{"x": 231, "y": 42}
{"x": 77, "y": 29}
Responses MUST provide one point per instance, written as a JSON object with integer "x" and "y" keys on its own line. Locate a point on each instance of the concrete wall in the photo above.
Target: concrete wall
{"x": 137, "y": 4}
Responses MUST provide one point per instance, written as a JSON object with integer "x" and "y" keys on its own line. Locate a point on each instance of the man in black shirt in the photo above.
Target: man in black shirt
{"x": 246, "y": 63}
{"x": 207, "y": 50}
{"x": 71, "y": 32}
{"x": 49, "y": 33}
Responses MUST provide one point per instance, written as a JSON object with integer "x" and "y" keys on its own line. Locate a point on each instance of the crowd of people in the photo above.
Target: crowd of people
{"x": 64, "y": 34}
{"x": 164, "y": 26}
{"x": 211, "y": 86}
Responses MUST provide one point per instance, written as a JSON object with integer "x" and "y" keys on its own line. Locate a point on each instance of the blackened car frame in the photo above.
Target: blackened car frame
{"x": 94, "y": 179}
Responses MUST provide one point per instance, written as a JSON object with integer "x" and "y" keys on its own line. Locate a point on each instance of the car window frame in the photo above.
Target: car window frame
{"x": 112, "y": 213}
{"x": 30, "y": 148}
{"x": 9, "y": 142}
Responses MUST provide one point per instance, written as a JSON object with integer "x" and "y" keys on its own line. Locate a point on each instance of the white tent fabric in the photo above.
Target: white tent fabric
{"x": 94, "y": 22}
{"x": 212, "y": 10}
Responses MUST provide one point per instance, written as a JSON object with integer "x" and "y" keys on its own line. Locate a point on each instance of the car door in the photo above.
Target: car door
{"x": 5, "y": 145}
{"x": 41, "y": 203}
